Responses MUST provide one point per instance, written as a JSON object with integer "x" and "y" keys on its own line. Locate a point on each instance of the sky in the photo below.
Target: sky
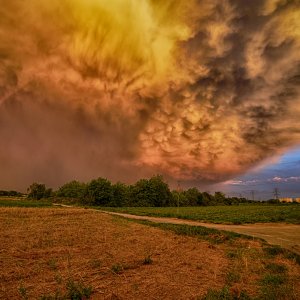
{"x": 203, "y": 92}
{"x": 260, "y": 183}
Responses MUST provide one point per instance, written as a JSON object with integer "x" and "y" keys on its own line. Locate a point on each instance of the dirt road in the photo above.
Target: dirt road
{"x": 285, "y": 235}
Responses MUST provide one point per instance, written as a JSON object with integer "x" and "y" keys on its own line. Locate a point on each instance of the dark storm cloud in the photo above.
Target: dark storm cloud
{"x": 199, "y": 90}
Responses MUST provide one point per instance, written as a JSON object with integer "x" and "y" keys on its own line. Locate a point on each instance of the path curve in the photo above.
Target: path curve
{"x": 284, "y": 235}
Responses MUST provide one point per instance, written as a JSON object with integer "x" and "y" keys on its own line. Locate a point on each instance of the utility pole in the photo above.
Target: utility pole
{"x": 276, "y": 193}
{"x": 253, "y": 194}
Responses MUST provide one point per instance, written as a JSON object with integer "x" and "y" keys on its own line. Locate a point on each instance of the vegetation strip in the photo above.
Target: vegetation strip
{"x": 210, "y": 234}
{"x": 241, "y": 214}
{"x": 24, "y": 203}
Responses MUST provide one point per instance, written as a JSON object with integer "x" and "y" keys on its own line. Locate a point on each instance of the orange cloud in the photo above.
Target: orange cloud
{"x": 124, "y": 88}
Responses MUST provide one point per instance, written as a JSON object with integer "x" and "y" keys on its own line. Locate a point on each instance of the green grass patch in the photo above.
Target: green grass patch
{"x": 240, "y": 214}
{"x": 210, "y": 234}
{"x": 225, "y": 294}
{"x": 273, "y": 250}
{"x": 23, "y": 203}
{"x": 273, "y": 279}
{"x": 276, "y": 268}
{"x": 276, "y": 287}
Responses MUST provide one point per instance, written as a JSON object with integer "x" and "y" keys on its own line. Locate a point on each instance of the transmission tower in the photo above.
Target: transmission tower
{"x": 276, "y": 193}
{"x": 253, "y": 194}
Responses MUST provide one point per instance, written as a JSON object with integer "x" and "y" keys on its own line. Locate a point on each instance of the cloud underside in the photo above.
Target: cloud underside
{"x": 195, "y": 90}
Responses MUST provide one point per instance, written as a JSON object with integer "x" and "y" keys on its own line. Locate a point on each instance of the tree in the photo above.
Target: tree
{"x": 193, "y": 196}
{"x": 179, "y": 199}
{"x": 159, "y": 191}
{"x": 99, "y": 192}
{"x": 139, "y": 193}
{"x": 151, "y": 192}
{"x": 207, "y": 199}
{"x": 220, "y": 198}
{"x": 38, "y": 191}
{"x": 73, "y": 189}
{"x": 10, "y": 193}
{"x": 119, "y": 195}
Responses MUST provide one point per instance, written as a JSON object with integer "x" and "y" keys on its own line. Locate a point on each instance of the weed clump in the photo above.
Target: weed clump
{"x": 74, "y": 291}
{"x": 273, "y": 279}
{"x": 225, "y": 294}
{"x": 275, "y": 287}
{"x": 273, "y": 250}
{"x": 232, "y": 277}
{"x": 23, "y": 292}
{"x": 117, "y": 268}
{"x": 147, "y": 260}
{"x": 78, "y": 291}
{"x": 276, "y": 268}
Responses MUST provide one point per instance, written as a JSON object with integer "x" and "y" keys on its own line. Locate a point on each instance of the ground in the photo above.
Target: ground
{"x": 284, "y": 235}
{"x": 44, "y": 249}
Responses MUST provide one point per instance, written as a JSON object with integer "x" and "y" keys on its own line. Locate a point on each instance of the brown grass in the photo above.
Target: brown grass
{"x": 42, "y": 248}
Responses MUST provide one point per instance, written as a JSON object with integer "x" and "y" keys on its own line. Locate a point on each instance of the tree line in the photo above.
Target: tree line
{"x": 152, "y": 192}
{"x": 10, "y": 194}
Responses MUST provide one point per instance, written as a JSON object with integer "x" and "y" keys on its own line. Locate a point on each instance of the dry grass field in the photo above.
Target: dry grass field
{"x": 55, "y": 253}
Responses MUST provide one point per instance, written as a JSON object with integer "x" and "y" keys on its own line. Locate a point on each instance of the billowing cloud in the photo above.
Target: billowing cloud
{"x": 124, "y": 88}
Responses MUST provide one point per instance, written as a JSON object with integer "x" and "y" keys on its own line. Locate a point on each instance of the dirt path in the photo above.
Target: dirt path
{"x": 285, "y": 235}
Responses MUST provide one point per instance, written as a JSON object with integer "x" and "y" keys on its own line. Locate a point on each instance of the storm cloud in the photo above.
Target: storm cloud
{"x": 195, "y": 90}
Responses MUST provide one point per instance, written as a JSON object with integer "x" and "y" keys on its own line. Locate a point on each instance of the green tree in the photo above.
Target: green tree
{"x": 159, "y": 191}
{"x": 73, "y": 189}
{"x": 179, "y": 199}
{"x": 38, "y": 191}
{"x": 193, "y": 196}
{"x": 150, "y": 192}
{"x": 207, "y": 199}
{"x": 220, "y": 198}
{"x": 140, "y": 193}
{"x": 99, "y": 192}
{"x": 119, "y": 195}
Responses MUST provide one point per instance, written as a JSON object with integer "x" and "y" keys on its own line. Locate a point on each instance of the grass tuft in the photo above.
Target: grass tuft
{"x": 276, "y": 268}
{"x": 273, "y": 279}
{"x": 78, "y": 291}
{"x": 147, "y": 260}
{"x": 273, "y": 250}
{"x": 117, "y": 268}
{"x": 23, "y": 292}
{"x": 225, "y": 294}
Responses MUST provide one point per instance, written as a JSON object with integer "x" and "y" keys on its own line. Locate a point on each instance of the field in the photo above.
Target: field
{"x": 222, "y": 214}
{"x": 65, "y": 253}
{"x": 22, "y": 202}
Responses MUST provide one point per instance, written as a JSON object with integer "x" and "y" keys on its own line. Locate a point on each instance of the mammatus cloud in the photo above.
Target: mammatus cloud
{"x": 196, "y": 90}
